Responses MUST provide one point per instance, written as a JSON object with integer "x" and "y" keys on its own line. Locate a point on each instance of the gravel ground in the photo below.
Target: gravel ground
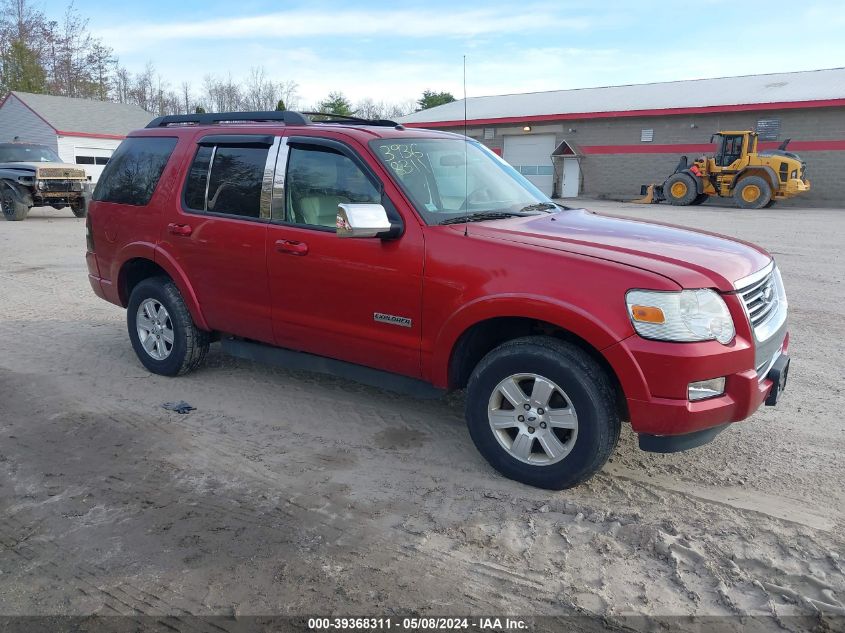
{"x": 292, "y": 493}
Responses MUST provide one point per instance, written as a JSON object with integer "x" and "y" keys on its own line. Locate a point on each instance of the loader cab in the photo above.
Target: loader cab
{"x": 731, "y": 146}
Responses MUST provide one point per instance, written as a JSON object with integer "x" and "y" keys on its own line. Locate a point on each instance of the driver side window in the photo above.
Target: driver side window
{"x": 320, "y": 178}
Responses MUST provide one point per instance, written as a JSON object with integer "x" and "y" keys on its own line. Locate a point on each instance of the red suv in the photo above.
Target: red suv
{"x": 419, "y": 260}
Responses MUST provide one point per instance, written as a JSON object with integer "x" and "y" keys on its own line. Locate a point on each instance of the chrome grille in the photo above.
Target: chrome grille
{"x": 764, "y": 300}
{"x": 760, "y": 299}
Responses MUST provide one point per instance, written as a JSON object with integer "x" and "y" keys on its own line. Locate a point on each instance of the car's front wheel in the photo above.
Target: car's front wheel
{"x": 13, "y": 209}
{"x": 163, "y": 334}
{"x": 542, "y": 412}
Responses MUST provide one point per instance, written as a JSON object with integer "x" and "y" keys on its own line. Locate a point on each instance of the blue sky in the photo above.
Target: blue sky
{"x": 392, "y": 51}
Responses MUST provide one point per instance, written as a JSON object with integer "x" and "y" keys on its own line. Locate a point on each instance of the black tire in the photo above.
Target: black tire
{"x": 190, "y": 344}
{"x": 750, "y": 185}
{"x": 702, "y": 197}
{"x": 770, "y": 204}
{"x": 679, "y": 189}
{"x": 587, "y": 388}
{"x": 13, "y": 209}
{"x": 80, "y": 208}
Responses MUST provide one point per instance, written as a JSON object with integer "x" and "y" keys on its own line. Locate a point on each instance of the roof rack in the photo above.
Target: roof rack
{"x": 285, "y": 116}
{"x": 288, "y": 117}
{"x": 328, "y": 117}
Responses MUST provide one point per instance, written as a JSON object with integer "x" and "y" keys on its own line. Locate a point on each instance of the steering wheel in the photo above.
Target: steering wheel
{"x": 482, "y": 194}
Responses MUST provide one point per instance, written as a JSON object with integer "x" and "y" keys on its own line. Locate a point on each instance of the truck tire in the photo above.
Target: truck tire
{"x": 702, "y": 197}
{"x": 80, "y": 208}
{"x": 542, "y": 412}
{"x": 156, "y": 313}
{"x": 13, "y": 209}
{"x": 752, "y": 192}
{"x": 679, "y": 189}
{"x": 770, "y": 204}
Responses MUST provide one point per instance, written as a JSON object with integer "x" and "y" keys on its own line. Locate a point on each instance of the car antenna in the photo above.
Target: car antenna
{"x": 466, "y": 156}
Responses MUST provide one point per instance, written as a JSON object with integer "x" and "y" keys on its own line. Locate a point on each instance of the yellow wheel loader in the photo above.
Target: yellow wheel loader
{"x": 753, "y": 179}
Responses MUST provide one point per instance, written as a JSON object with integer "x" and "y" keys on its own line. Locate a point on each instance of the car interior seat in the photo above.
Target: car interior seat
{"x": 320, "y": 194}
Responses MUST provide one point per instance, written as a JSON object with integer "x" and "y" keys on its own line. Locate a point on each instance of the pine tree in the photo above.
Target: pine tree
{"x": 21, "y": 69}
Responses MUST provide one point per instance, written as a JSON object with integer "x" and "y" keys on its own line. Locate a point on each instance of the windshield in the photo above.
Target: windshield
{"x": 28, "y": 154}
{"x": 450, "y": 179}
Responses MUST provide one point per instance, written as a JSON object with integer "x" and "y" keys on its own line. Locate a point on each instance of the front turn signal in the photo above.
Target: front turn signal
{"x": 648, "y": 314}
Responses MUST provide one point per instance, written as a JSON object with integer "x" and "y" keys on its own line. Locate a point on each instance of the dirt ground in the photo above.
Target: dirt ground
{"x": 298, "y": 494}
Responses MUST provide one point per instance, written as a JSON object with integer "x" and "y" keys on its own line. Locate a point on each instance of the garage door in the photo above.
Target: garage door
{"x": 531, "y": 155}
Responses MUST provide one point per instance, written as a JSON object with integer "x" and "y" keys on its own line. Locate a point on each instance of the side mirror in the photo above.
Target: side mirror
{"x": 362, "y": 220}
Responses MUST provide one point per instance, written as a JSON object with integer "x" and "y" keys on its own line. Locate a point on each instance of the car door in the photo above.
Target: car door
{"x": 354, "y": 299}
{"x": 217, "y": 233}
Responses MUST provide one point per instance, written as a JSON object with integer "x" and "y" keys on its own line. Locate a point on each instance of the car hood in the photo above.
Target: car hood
{"x": 693, "y": 259}
{"x": 34, "y": 165}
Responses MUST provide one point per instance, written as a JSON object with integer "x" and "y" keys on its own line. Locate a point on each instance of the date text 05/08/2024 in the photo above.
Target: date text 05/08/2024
{"x": 418, "y": 624}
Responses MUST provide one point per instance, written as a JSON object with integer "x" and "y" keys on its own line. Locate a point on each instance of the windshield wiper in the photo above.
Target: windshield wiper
{"x": 483, "y": 215}
{"x": 540, "y": 206}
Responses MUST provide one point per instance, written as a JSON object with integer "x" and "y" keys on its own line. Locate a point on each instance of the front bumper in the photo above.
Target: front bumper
{"x": 793, "y": 187}
{"x": 655, "y": 376}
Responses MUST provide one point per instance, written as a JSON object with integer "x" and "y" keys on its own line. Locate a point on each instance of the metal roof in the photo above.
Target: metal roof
{"x": 814, "y": 85}
{"x": 86, "y": 116}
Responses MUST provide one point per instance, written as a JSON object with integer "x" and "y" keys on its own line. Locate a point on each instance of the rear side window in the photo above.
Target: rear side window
{"x": 132, "y": 173}
{"x": 232, "y": 185}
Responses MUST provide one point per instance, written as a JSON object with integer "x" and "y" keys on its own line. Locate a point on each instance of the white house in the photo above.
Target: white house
{"x": 82, "y": 131}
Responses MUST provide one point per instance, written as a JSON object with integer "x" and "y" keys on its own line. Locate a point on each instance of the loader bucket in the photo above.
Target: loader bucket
{"x": 647, "y": 191}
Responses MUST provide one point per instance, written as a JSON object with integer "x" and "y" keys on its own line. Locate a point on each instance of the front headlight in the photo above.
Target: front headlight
{"x": 685, "y": 316}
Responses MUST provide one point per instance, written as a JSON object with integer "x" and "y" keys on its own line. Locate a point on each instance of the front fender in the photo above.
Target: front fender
{"x": 21, "y": 193}
{"x": 566, "y": 316}
{"x": 770, "y": 174}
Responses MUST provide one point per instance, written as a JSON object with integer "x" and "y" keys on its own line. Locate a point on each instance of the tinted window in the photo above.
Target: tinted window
{"x": 84, "y": 160}
{"x": 234, "y": 185}
{"x": 318, "y": 180}
{"x": 133, "y": 172}
{"x": 197, "y": 178}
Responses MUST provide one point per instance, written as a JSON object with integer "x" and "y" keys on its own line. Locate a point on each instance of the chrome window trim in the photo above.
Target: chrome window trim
{"x": 277, "y": 196}
{"x": 207, "y": 178}
{"x": 753, "y": 278}
{"x": 267, "y": 182}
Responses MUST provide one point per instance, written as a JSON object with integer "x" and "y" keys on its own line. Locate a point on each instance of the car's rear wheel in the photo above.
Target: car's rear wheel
{"x": 163, "y": 334}
{"x": 13, "y": 209}
{"x": 542, "y": 412}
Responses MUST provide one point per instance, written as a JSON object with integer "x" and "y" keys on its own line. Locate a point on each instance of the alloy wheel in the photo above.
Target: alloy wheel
{"x": 533, "y": 419}
{"x": 155, "y": 329}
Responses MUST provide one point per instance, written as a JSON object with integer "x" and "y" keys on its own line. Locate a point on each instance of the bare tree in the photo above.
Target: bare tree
{"x": 259, "y": 93}
{"x": 288, "y": 94}
{"x": 186, "y": 96}
{"x": 222, "y": 95}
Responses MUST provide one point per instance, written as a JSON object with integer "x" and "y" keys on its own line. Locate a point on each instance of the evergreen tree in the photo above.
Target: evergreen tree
{"x": 21, "y": 69}
{"x": 335, "y": 103}
{"x": 431, "y": 99}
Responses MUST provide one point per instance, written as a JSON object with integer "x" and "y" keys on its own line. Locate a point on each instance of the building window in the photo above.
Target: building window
{"x": 768, "y": 129}
{"x": 647, "y": 136}
{"x": 92, "y": 160}
{"x": 489, "y": 133}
